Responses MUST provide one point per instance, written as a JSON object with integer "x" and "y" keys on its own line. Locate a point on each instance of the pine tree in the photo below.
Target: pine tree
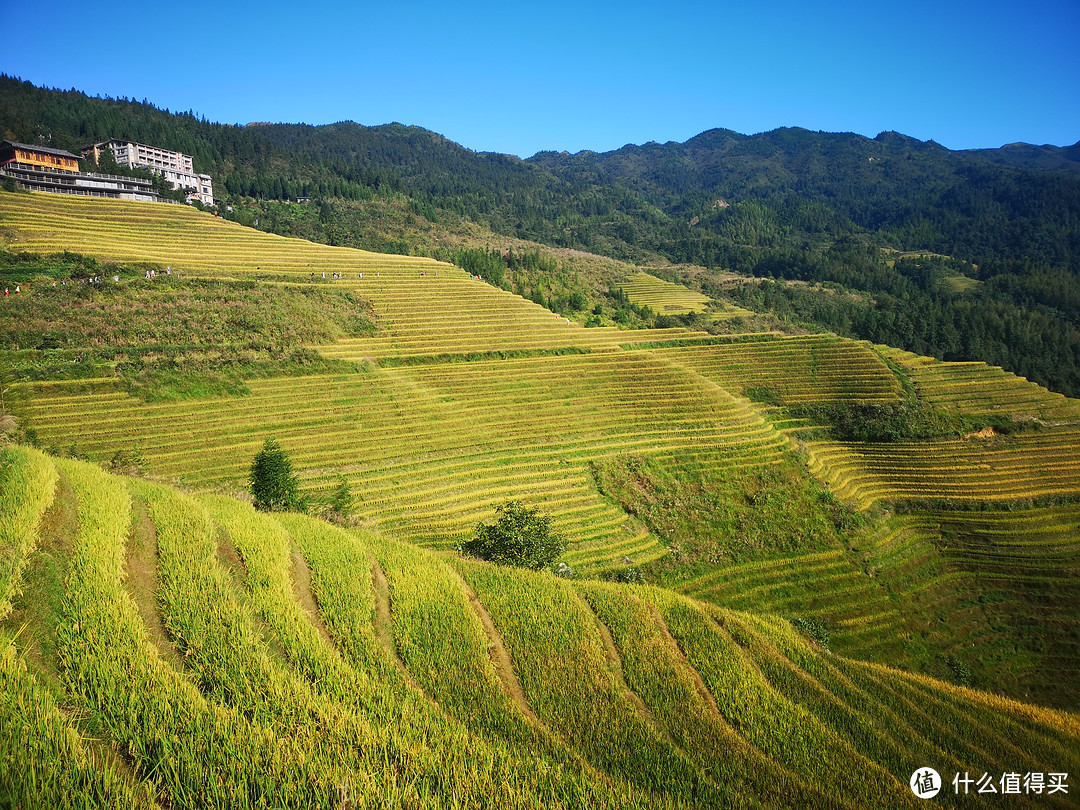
{"x": 341, "y": 504}
{"x": 274, "y": 487}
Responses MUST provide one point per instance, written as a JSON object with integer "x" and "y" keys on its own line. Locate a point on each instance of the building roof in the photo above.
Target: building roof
{"x": 112, "y": 140}
{"x": 129, "y": 142}
{"x": 46, "y": 149}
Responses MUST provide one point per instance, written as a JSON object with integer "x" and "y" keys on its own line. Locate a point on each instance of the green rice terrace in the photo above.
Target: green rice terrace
{"x": 663, "y": 296}
{"x": 765, "y": 609}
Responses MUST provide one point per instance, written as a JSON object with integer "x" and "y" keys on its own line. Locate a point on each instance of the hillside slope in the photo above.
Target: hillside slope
{"x": 207, "y": 656}
{"x": 668, "y": 454}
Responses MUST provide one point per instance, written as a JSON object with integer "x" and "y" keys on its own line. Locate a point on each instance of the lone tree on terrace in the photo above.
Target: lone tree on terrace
{"x": 339, "y": 507}
{"x": 520, "y": 536}
{"x": 274, "y": 487}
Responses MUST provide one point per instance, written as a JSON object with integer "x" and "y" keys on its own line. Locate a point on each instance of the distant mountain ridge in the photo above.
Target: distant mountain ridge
{"x": 896, "y": 185}
{"x": 1028, "y": 156}
{"x": 632, "y": 203}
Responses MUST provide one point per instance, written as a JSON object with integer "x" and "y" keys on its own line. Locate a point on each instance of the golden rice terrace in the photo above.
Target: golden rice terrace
{"x": 814, "y": 619}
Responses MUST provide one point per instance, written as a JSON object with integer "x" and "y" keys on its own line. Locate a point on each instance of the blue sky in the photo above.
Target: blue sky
{"x": 500, "y": 77}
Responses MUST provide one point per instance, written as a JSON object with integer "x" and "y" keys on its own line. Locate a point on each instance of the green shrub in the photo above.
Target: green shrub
{"x": 888, "y": 422}
{"x": 765, "y": 394}
{"x": 341, "y": 504}
{"x": 960, "y": 670}
{"x": 813, "y": 627}
{"x": 520, "y": 536}
{"x": 629, "y": 575}
{"x": 274, "y": 486}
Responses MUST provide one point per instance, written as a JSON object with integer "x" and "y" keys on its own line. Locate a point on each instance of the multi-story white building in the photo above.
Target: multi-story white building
{"x": 175, "y": 167}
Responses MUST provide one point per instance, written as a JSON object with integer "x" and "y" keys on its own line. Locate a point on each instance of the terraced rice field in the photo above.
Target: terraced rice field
{"x": 795, "y": 370}
{"x": 306, "y": 666}
{"x": 452, "y": 314}
{"x": 981, "y": 389}
{"x": 995, "y": 590}
{"x": 825, "y": 583}
{"x": 430, "y": 450}
{"x": 424, "y": 307}
{"x": 189, "y": 241}
{"x": 430, "y": 444}
{"x": 932, "y": 603}
{"x": 663, "y": 297}
{"x": 871, "y": 597}
{"x": 1022, "y": 467}
{"x": 1025, "y": 568}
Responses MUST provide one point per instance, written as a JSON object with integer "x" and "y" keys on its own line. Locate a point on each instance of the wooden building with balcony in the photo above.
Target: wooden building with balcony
{"x": 42, "y": 157}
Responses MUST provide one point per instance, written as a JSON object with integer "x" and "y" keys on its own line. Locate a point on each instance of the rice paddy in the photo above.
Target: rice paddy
{"x": 663, "y": 297}
{"x": 152, "y": 638}
{"x": 392, "y": 675}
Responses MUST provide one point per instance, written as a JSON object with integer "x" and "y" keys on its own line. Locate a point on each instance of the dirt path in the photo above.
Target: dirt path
{"x": 36, "y": 608}
{"x": 500, "y": 656}
{"x": 504, "y": 668}
{"x": 141, "y": 560}
{"x": 699, "y": 685}
{"x": 770, "y": 772}
{"x": 383, "y": 630}
{"x": 300, "y": 575}
{"x": 611, "y": 653}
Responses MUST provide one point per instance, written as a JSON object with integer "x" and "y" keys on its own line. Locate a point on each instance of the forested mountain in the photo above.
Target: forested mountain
{"x": 1036, "y": 157}
{"x": 910, "y": 194}
{"x": 962, "y": 255}
{"x": 337, "y": 161}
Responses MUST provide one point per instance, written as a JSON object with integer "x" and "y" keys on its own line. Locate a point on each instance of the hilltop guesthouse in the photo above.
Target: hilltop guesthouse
{"x": 42, "y": 168}
{"x": 175, "y": 167}
{"x": 41, "y": 157}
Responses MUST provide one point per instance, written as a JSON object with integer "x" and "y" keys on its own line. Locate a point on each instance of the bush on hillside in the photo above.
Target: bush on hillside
{"x": 520, "y": 536}
{"x": 894, "y": 421}
{"x": 813, "y": 627}
{"x": 127, "y": 462}
{"x": 274, "y": 486}
{"x": 341, "y": 504}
